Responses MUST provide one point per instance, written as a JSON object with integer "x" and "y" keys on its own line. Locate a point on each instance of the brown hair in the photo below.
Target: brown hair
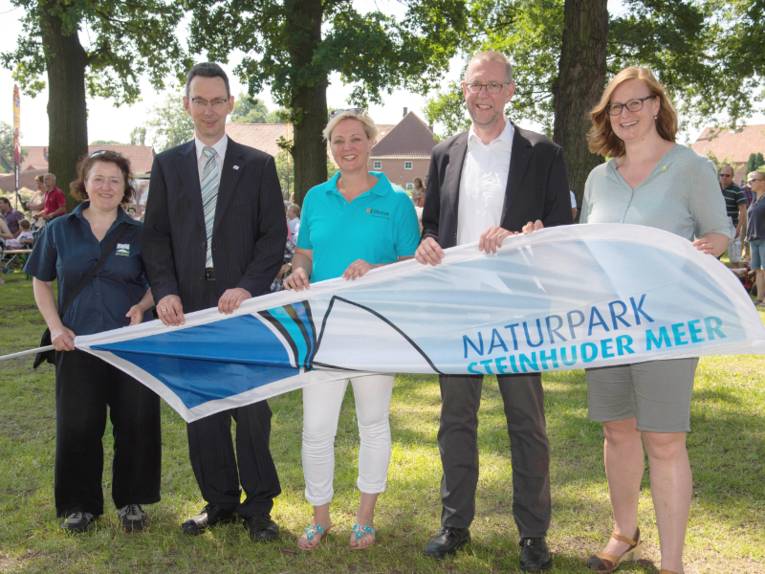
{"x": 602, "y": 140}
{"x": 77, "y": 187}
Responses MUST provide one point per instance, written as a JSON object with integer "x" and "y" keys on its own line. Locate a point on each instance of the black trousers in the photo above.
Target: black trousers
{"x": 85, "y": 387}
{"x": 530, "y": 454}
{"x": 212, "y": 453}
{"x": 215, "y": 466}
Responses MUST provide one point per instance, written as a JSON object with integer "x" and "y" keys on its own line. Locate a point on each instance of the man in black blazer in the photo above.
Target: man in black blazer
{"x": 214, "y": 235}
{"x": 485, "y": 185}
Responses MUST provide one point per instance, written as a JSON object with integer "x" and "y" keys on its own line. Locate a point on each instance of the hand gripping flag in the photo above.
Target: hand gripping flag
{"x": 562, "y": 298}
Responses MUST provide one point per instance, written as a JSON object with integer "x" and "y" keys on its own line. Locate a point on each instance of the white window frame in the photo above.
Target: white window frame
{"x": 376, "y": 164}
{"x": 408, "y": 164}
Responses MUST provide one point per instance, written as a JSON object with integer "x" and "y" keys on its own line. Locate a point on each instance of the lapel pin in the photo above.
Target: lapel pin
{"x": 236, "y": 167}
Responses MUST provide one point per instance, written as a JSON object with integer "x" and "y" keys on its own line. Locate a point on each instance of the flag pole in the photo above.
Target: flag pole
{"x": 16, "y": 141}
{"x": 25, "y": 353}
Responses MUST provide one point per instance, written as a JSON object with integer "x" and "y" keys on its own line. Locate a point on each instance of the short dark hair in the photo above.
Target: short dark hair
{"x": 207, "y": 70}
{"x": 5, "y": 200}
{"x": 77, "y": 187}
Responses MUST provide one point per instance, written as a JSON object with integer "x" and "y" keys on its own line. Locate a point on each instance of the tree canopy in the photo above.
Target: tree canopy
{"x": 121, "y": 42}
{"x": 170, "y": 125}
{"x": 708, "y": 53}
{"x": 294, "y": 46}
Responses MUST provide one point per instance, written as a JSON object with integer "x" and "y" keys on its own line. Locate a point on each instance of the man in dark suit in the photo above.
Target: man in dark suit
{"x": 485, "y": 185}
{"x": 214, "y": 235}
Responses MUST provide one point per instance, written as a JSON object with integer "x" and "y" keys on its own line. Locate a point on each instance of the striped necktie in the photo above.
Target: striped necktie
{"x": 210, "y": 182}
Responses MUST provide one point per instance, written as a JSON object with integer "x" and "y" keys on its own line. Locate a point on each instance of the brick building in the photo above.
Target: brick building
{"x": 403, "y": 153}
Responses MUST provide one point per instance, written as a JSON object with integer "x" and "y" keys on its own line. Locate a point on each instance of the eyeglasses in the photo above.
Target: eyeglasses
{"x": 751, "y": 181}
{"x": 354, "y": 111}
{"x": 725, "y": 175}
{"x": 491, "y": 87}
{"x": 634, "y": 105}
{"x": 216, "y": 104}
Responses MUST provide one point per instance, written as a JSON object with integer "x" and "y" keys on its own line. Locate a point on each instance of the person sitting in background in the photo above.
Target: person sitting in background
{"x": 53, "y": 202}
{"x": 23, "y": 240}
{"x": 86, "y": 387}
{"x": 5, "y": 232}
{"x": 755, "y": 233}
{"x": 10, "y": 215}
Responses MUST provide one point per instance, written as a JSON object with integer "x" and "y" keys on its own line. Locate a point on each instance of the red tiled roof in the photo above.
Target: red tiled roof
{"x": 411, "y": 137}
{"x": 260, "y": 136}
{"x": 140, "y": 156}
{"x": 734, "y": 146}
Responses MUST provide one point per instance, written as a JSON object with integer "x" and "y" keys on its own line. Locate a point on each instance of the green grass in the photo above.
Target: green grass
{"x": 727, "y": 448}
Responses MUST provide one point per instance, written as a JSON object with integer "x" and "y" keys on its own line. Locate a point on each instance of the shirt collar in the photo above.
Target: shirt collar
{"x": 219, "y": 146}
{"x": 505, "y": 137}
{"x": 381, "y": 188}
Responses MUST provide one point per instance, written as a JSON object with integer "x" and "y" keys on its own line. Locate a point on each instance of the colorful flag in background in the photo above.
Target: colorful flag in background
{"x": 563, "y": 298}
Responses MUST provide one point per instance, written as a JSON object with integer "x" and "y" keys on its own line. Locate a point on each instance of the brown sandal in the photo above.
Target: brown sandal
{"x": 605, "y": 563}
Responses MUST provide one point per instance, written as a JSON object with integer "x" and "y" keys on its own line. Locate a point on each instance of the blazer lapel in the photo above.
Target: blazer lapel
{"x": 189, "y": 174}
{"x": 232, "y": 167}
{"x": 451, "y": 186}
{"x": 519, "y": 163}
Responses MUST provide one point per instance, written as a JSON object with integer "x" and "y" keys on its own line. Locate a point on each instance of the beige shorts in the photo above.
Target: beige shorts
{"x": 656, "y": 393}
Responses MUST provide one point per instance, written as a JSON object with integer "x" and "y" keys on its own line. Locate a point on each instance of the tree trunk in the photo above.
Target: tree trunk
{"x": 65, "y": 61}
{"x": 308, "y": 103}
{"x": 581, "y": 77}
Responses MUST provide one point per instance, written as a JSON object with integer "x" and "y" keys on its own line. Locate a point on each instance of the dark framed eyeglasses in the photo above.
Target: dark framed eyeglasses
{"x": 354, "y": 111}
{"x": 216, "y": 104}
{"x": 491, "y": 87}
{"x": 633, "y": 105}
{"x": 725, "y": 174}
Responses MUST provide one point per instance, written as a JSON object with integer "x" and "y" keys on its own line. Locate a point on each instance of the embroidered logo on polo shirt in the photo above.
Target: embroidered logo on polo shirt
{"x": 123, "y": 249}
{"x": 377, "y": 213}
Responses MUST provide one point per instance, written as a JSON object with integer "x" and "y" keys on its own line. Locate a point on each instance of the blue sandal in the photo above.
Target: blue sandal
{"x": 311, "y": 531}
{"x": 359, "y": 532}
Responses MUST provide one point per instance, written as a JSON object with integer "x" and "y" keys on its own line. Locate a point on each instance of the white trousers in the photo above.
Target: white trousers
{"x": 321, "y": 411}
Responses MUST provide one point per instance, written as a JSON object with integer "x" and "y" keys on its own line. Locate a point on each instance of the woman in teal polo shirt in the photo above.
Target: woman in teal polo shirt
{"x": 350, "y": 224}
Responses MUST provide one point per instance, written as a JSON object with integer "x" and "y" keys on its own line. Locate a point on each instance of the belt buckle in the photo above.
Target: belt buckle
{"x": 209, "y": 273}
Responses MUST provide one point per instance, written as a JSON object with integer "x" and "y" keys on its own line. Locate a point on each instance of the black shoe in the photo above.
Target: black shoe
{"x": 132, "y": 517}
{"x": 447, "y": 541}
{"x": 77, "y": 521}
{"x": 210, "y": 516}
{"x": 535, "y": 556}
{"x": 261, "y": 528}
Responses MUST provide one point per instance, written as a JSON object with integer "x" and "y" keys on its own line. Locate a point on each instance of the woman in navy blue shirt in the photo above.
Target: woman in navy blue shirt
{"x": 86, "y": 387}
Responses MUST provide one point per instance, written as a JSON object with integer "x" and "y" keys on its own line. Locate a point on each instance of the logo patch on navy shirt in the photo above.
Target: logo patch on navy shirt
{"x": 377, "y": 213}
{"x": 123, "y": 249}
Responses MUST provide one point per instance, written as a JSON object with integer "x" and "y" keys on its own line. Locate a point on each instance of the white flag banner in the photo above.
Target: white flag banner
{"x": 567, "y": 297}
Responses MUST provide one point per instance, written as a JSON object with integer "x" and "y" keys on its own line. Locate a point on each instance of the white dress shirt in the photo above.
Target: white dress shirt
{"x": 483, "y": 184}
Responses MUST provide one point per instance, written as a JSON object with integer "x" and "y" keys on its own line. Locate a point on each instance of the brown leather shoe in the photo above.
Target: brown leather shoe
{"x": 605, "y": 563}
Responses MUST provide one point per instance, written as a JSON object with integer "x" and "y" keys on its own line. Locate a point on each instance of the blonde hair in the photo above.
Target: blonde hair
{"x": 369, "y": 126}
{"x": 602, "y": 140}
